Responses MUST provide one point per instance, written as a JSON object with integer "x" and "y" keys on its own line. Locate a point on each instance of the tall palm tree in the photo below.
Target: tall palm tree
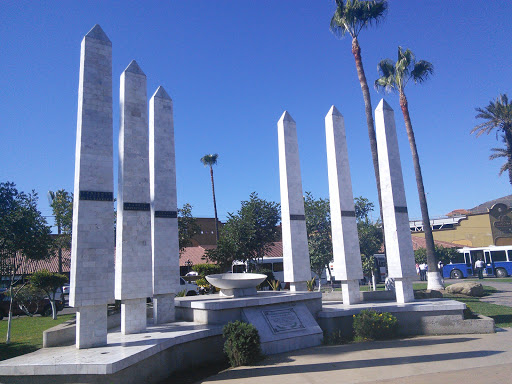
{"x": 394, "y": 77}
{"x": 211, "y": 160}
{"x": 503, "y": 152}
{"x": 498, "y": 115}
{"x": 352, "y": 16}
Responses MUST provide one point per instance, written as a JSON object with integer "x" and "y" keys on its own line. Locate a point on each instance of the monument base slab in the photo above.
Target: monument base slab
{"x": 284, "y": 328}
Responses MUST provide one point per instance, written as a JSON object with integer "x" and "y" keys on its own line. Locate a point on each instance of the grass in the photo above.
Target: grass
{"x": 501, "y": 314}
{"x": 26, "y": 334}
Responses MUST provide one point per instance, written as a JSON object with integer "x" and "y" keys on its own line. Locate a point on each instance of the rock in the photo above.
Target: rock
{"x": 466, "y": 288}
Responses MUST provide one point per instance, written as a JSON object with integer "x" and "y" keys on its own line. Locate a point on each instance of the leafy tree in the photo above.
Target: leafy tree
{"x": 394, "y": 77}
{"x": 443, "y": 254}
{"x": 62, "y": 206}
{"x": 23, "y": 230}
{"x": 351, "y": 17}
{"x": 370, "y": 234}
{"x": 498, "y": 116}
{"x": 49, "y": 283}
{"x": 211, "y": 160}
{"x": 187, "y": 226}
{"x": 248, "y": 234}
{"x": 318, "y": 225}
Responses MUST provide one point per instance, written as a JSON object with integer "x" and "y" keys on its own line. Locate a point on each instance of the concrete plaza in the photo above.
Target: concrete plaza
{"x": 468, "y": 359}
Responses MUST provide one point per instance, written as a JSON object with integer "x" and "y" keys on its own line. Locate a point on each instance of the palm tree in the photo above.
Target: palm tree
{"x": 503, "y": 152}
{"x": 394, "y": 77}
{"x": 498, "y": 115}
{"x": 211, "y": 160}
{"x": 352, "y": 16}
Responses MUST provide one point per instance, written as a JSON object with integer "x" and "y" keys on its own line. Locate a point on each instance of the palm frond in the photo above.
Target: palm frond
{"x": 422, "y": 71}
{"x": 497, "y": 115}
{"x": 386, "y": 81}
{"x": 351, "y": 16}
{"x": 209, "y": 159}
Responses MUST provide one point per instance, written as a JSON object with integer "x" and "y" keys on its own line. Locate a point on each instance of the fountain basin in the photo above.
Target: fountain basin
{"x": 236, "y": 284}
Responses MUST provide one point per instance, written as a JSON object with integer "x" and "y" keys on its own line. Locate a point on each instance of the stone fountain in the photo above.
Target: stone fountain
{"x": 236, "y": 284}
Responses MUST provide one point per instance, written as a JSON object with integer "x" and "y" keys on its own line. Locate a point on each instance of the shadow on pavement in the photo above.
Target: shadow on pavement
{"x": 261, "y": 371}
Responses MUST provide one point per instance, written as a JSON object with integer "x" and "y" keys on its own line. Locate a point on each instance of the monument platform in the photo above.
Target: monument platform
{"x": 422, "y": 317}
{"x": 146, "y": 357}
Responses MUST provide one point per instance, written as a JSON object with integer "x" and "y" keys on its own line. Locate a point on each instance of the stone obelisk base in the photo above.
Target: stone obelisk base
{"x": 91, "y": 326}
{"x": 163, "y": 309}
{"x": 133, "y": 316}
{"x": 298, "y": 286}
{"x": 350, "y": 291}
{"x": 404, "y": 291}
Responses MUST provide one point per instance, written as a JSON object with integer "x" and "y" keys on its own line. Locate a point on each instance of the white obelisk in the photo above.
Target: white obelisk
{"x": 133, "y": 252}
{"x": 164, "y": 207}
{"x": 297, "y": 268}
{"x": 399, "y": 251}
{"x": 92, "y": 247}
{"x": 345, "y": 241}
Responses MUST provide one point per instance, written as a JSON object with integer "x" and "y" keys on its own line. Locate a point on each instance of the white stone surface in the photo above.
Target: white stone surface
{"x": 133, "y": 316}
{"x": 164, "y": 206}
{"x": 399, "y": 251}
{"x": 345, "y": 241}
{"x": 284, "y": 328}
{"x": 133, "y": 279}
{"x": 163, "y": 308}
{"x": 91, "y": 326}
{"x": 236, "y": 280}
{"x": 92, "y": 246}
{"x": 297, "y": 268}
{"x": 121, "y": 352}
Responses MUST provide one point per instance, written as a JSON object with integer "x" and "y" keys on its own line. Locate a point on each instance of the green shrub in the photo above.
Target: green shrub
{"x": 335, "y": 338}
{"x": 372, "y": 325}
{"x": 206, "y": 269}
{"x": 242, "y": 345}
{"x": 311, "y": 284}
{"x": 275, "y": 285}
{"x": 182, "y": 293}
{"x": 266, "y": 282}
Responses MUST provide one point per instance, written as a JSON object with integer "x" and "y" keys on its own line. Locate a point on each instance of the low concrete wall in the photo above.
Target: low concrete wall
{"x": 413, "y": 322}
{"x": 366, "y": 296}
{"x": 154, "y": 369}
{"x": 65, "y": 333}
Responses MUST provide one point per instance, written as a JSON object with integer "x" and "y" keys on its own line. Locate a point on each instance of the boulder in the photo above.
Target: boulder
{"x": 467, "y": 288}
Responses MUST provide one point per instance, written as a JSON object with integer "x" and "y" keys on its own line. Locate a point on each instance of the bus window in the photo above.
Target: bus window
{"x": 458, "y": 259}
{"x": 467, "y": 259}
{"x": 475, "y": 255}
{"x": 498, "y": 256}
{"x": 278, "y": 267}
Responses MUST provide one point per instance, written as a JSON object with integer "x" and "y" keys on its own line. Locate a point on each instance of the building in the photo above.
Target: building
{"x": 489, "y": 223}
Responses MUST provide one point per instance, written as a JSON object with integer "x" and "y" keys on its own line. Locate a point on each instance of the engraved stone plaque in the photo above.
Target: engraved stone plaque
{"x": 283, "y": 320}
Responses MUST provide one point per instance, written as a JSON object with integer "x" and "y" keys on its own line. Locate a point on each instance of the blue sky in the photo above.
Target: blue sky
{"x": 233, "y": 67}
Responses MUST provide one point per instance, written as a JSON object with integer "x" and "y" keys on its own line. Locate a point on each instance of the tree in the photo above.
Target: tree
{"x": 247, "y": 235}
{"x": 370, "y": 234}
{"x": 498, "y": 116}
{"x": 49, "y": 283}
{"x": 187, "y": 226}
{"x": 394, "y": 77}
{"x": 23, "y": 231}
{"x": 352, "y": 16}
{"x": 443, "y": 254}
{"x": 318, "y": 225}
{"x": 503, "y": 152}
{"x": 211, "y": 160}
{"x": 62, "y": 206}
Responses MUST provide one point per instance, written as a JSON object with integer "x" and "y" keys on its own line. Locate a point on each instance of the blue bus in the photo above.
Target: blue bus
{"x": 498, "y": 262}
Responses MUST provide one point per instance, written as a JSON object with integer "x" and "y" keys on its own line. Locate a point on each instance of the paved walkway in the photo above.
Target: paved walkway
{"x": 468, "y": 359}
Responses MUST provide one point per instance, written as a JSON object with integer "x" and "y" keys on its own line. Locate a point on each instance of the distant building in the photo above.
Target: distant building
{"x": 489, "y": 223}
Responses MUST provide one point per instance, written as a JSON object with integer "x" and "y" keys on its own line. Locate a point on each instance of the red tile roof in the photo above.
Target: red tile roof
{"x": 420, "y": 242}
{"x": 27, "y": 267}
